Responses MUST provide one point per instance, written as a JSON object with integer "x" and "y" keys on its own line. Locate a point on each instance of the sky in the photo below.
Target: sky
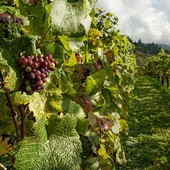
{"x": 148, "y": 20}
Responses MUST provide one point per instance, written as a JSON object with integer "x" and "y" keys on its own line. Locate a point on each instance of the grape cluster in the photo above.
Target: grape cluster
{"x": 35, "y": 71}
{"x": 6, "y": 18}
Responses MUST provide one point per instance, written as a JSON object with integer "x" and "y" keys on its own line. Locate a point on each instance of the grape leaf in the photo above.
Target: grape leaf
{"x": 102, "y": 152}
{"x": 36, "y": 105}
{"x": 5, "y": 144}
{"x": 8, "y": 62}
{"x": 6, "y": 121}
{"x": 72, "y": 18}
{"x": 61, "y": 151}
{"x": 95, "y": 81}
{"x": 38, "y": 16}
{"x": 72, "y": 108}
{"x": 36, "y": 102}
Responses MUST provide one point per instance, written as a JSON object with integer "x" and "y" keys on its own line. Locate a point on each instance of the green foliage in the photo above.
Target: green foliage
{"x": 74, "y": 14}
{"x": 77, "y": 120}
{"x": 158, "y": 66}
{"x": 61, "y": 150}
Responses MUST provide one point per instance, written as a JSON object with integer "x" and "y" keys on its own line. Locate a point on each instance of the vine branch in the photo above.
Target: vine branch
{"x": 14, "y": 115}
{"x": 22, "y": 113}
{"x": 42, "y": 39}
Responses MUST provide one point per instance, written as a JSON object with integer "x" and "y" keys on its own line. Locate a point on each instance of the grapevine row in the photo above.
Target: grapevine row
{"x": 65, "y": 90}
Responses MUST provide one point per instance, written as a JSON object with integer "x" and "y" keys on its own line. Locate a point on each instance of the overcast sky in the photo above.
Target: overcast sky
{"x": 148, "y": 20}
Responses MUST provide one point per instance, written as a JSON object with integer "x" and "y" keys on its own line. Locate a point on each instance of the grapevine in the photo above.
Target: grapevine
{"x": 64, "y": 89}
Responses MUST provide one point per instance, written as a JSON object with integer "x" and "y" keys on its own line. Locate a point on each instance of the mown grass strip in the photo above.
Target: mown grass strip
{"x": 147, "y": 146}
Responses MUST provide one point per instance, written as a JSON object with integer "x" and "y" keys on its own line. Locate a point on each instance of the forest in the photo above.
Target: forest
{"x": 77, "y": 94}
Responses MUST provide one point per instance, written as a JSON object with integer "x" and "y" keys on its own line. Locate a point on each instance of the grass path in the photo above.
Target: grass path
{"x": 148, "y": 144}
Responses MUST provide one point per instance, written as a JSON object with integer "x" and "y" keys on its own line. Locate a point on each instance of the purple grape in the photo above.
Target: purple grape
{"x": 43, "y": 75}
{"x": 39, "y": 83}
{"x": 38, "y": 78}
{"x": 44, "y": 80}
{"x": 56, "y": 63}
{"x": 44, "y": 64}
{"x": 31, "y": 75}
{"x": 46, "y": 73}
{"x": 46, "y": 58}
{"x": 35, "y": 59}
{"x": 41, "y": 60}
{"x": 29, "y": 92}
{"x": 23, "y": 60}
{"x": 33, "y": 86}
{"x": 35, "y": 65}
{"x": 28, "y": 57}
{"x": 30, "y": 62}
{"x": 42, "y": 70}
{"x": 37, "y": 73}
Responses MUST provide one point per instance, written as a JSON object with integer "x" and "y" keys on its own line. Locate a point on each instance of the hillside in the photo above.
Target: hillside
{"x": 164, "y": 46}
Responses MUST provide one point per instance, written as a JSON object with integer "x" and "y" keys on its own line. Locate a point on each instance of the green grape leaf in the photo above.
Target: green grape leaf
{"x": 64, "y": 41}
{"x": 72, "y": 60}
{"x": 32, "y": 156}
{"x": 64, "y": 126}
{"x": 38, "y": 16}
{"x": 83, "y": 126}
{"x": 61, "y": 151}
{"x": 75, "y": 43}
{"x": 36, "y": 102}
{"x": 93, "y": 33}
{"x": 95, "y": 81}
{"x": 11, "y": 76}
{"x": 66, "y": 152}
{"x": 72, "y": 107}
{"x": 21, "y": 98}
{"x": 64, "y": 83}
{"x": 26, "y": 44}
{"x": 72, "y": 19}
{"x": 6, "y": 121}
{"x": 40, "y": 130}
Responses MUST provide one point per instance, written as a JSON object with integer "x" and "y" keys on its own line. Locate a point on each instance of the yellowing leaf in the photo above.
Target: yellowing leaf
{"x": 56, "y": 106}
{"x": 5, "y": 144}
{"x": 37, "y": 105}
{"x": 64, "y": 41}
{"x": 95, "y": 33}
{"x": 123, "y": 125}
{"x": 102, "y": 152}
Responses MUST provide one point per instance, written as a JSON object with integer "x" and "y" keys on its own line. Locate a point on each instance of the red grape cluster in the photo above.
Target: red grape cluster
{"x": 35, "y": 71}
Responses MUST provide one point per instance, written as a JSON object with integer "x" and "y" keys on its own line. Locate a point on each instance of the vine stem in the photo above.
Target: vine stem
{"x": 42, "y": 39}
{"x": 14, "y": 115}
{"x": 86, "y": 49}
{"x": 22, "y": 113}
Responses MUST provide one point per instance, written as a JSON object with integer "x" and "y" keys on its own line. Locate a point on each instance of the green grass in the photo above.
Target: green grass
{"x": 147, "y": 146}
